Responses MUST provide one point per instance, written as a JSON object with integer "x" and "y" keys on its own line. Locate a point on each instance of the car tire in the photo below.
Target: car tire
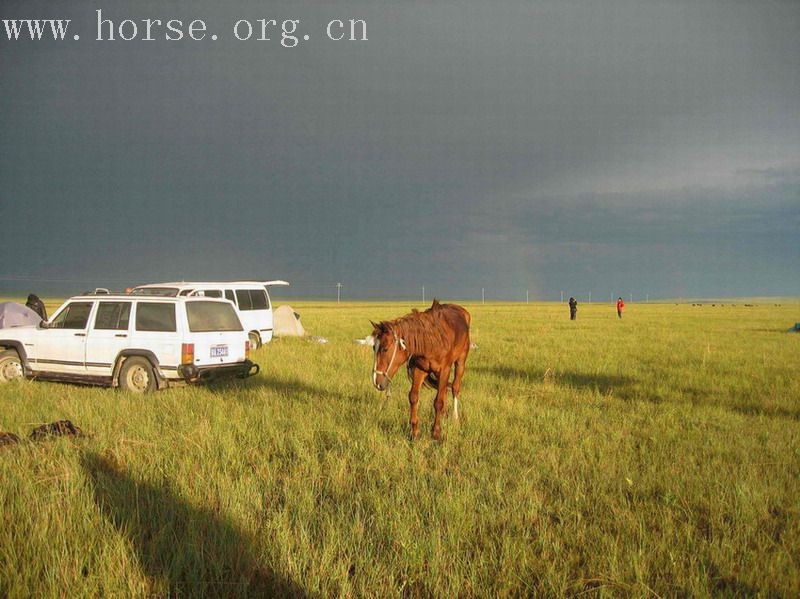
{"x": 10, "y": 366}
{"x": 137, "y": 376}
{"x": 255, "y": 340}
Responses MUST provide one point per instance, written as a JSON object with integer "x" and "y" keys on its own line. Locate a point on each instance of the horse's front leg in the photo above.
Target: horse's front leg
{"x": 438, "y": 404}
{"x": 413, "y": 398}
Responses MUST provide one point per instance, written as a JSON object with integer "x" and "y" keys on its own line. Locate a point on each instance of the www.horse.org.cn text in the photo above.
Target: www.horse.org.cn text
{"x": 288, "y": 32}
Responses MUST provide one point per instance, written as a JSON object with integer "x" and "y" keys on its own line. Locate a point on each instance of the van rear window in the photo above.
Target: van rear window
{"x": 205, "y": 317}
{"x": 243, "y": 299}
{"x": 252, "y": 299}
{"x": 259, "y": 299}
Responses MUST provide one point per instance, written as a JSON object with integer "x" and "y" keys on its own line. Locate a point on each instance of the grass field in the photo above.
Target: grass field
{"x": 654, "y": 456}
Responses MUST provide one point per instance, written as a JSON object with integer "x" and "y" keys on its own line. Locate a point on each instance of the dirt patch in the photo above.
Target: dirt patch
{"x": 8, "y": 439}
{"x": 56, "y": 429}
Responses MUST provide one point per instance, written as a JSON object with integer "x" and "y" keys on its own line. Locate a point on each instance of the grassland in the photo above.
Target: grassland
{"x": 654, "y": 456}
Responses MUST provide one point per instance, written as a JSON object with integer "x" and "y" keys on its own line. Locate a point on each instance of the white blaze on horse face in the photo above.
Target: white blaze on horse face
{"x": 387, "y": 371}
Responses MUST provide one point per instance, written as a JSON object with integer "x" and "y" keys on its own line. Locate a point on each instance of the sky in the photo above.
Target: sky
{"x": 619, "y": 147}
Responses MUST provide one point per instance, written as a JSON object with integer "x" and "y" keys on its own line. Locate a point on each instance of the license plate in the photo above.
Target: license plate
{"x": 219, "y": 351}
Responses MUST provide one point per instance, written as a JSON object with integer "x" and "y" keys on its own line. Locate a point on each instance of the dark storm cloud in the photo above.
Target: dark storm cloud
{"x": 704, "y": 241}
{"x": 513, "y": 145}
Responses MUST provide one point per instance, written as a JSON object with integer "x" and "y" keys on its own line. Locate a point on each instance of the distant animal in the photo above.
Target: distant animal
{"x": 434, "y": 343}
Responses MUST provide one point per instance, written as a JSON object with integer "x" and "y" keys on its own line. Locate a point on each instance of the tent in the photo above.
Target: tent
{"x": 286, "y": 323}
{"x": 17, "y": 315}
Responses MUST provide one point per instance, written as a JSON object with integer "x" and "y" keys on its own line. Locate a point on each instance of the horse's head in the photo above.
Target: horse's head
{"x": 390, "y": 353}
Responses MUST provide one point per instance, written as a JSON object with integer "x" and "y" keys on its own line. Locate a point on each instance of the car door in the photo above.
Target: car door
{"x": 61, "y": 347}
{"x": 108, "y": 336}
{"x": 156, "y": 330}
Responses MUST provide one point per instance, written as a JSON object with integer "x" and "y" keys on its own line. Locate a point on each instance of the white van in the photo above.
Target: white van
{"x": 251, "y": 299}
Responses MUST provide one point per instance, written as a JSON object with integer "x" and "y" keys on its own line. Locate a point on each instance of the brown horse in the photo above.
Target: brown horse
{"x": 433, "y": 342}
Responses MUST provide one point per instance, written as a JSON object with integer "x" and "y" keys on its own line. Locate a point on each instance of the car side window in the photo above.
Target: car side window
{"x": 74, "y": 316}
{"x": 113, "y": 316}
{"x": 151, "y": 316}
{"x": 258, "y": 299}
{"x": 212, "y": 293}
{"x": 245, "y": 303}
{"x": 230, "y": 296}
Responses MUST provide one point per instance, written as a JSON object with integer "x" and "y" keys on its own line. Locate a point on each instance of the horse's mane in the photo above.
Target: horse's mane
{"x": 422, "y": 332}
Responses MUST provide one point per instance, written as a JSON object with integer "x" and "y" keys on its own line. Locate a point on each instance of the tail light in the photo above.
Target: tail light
{"x": 187, "y": 353}
{"x": 247, "y": 349}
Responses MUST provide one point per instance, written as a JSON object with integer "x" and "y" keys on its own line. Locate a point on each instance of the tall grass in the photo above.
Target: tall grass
{"x": 657, "y": 455}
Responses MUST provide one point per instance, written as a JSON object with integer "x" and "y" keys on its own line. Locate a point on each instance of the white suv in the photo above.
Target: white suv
{"x": 137, "y": 343}
{"x": 250, "y": 298}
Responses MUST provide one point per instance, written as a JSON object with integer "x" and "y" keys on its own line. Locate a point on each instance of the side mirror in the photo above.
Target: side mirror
{"x": 43, "y": 324}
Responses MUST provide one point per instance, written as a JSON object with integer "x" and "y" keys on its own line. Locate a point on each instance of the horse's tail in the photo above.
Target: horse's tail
{"x": 432, "y": 381}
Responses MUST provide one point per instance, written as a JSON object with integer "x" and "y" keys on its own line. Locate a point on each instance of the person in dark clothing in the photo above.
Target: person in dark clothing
{"x": 37, "y": 305}
{"x": 573, "y": 308}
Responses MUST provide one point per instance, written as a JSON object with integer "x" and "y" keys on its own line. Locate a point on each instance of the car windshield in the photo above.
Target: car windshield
{"x": 205, "y": 317}
{"x": 159, "y": 291}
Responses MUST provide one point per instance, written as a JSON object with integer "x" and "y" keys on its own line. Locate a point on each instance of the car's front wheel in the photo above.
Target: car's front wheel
{"x": 137, "y": 376}
{"x": 10, "y": 366}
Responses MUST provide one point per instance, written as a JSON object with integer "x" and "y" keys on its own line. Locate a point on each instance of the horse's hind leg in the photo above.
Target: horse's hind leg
{"x": 438, "y": 404}
{"x": 456, "y": 387}
{"x": 459, "y": 367}
{"x": 417, "y": 379}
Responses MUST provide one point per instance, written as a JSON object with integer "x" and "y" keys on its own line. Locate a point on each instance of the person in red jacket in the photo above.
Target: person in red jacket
{"x": 620, "y": 307}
